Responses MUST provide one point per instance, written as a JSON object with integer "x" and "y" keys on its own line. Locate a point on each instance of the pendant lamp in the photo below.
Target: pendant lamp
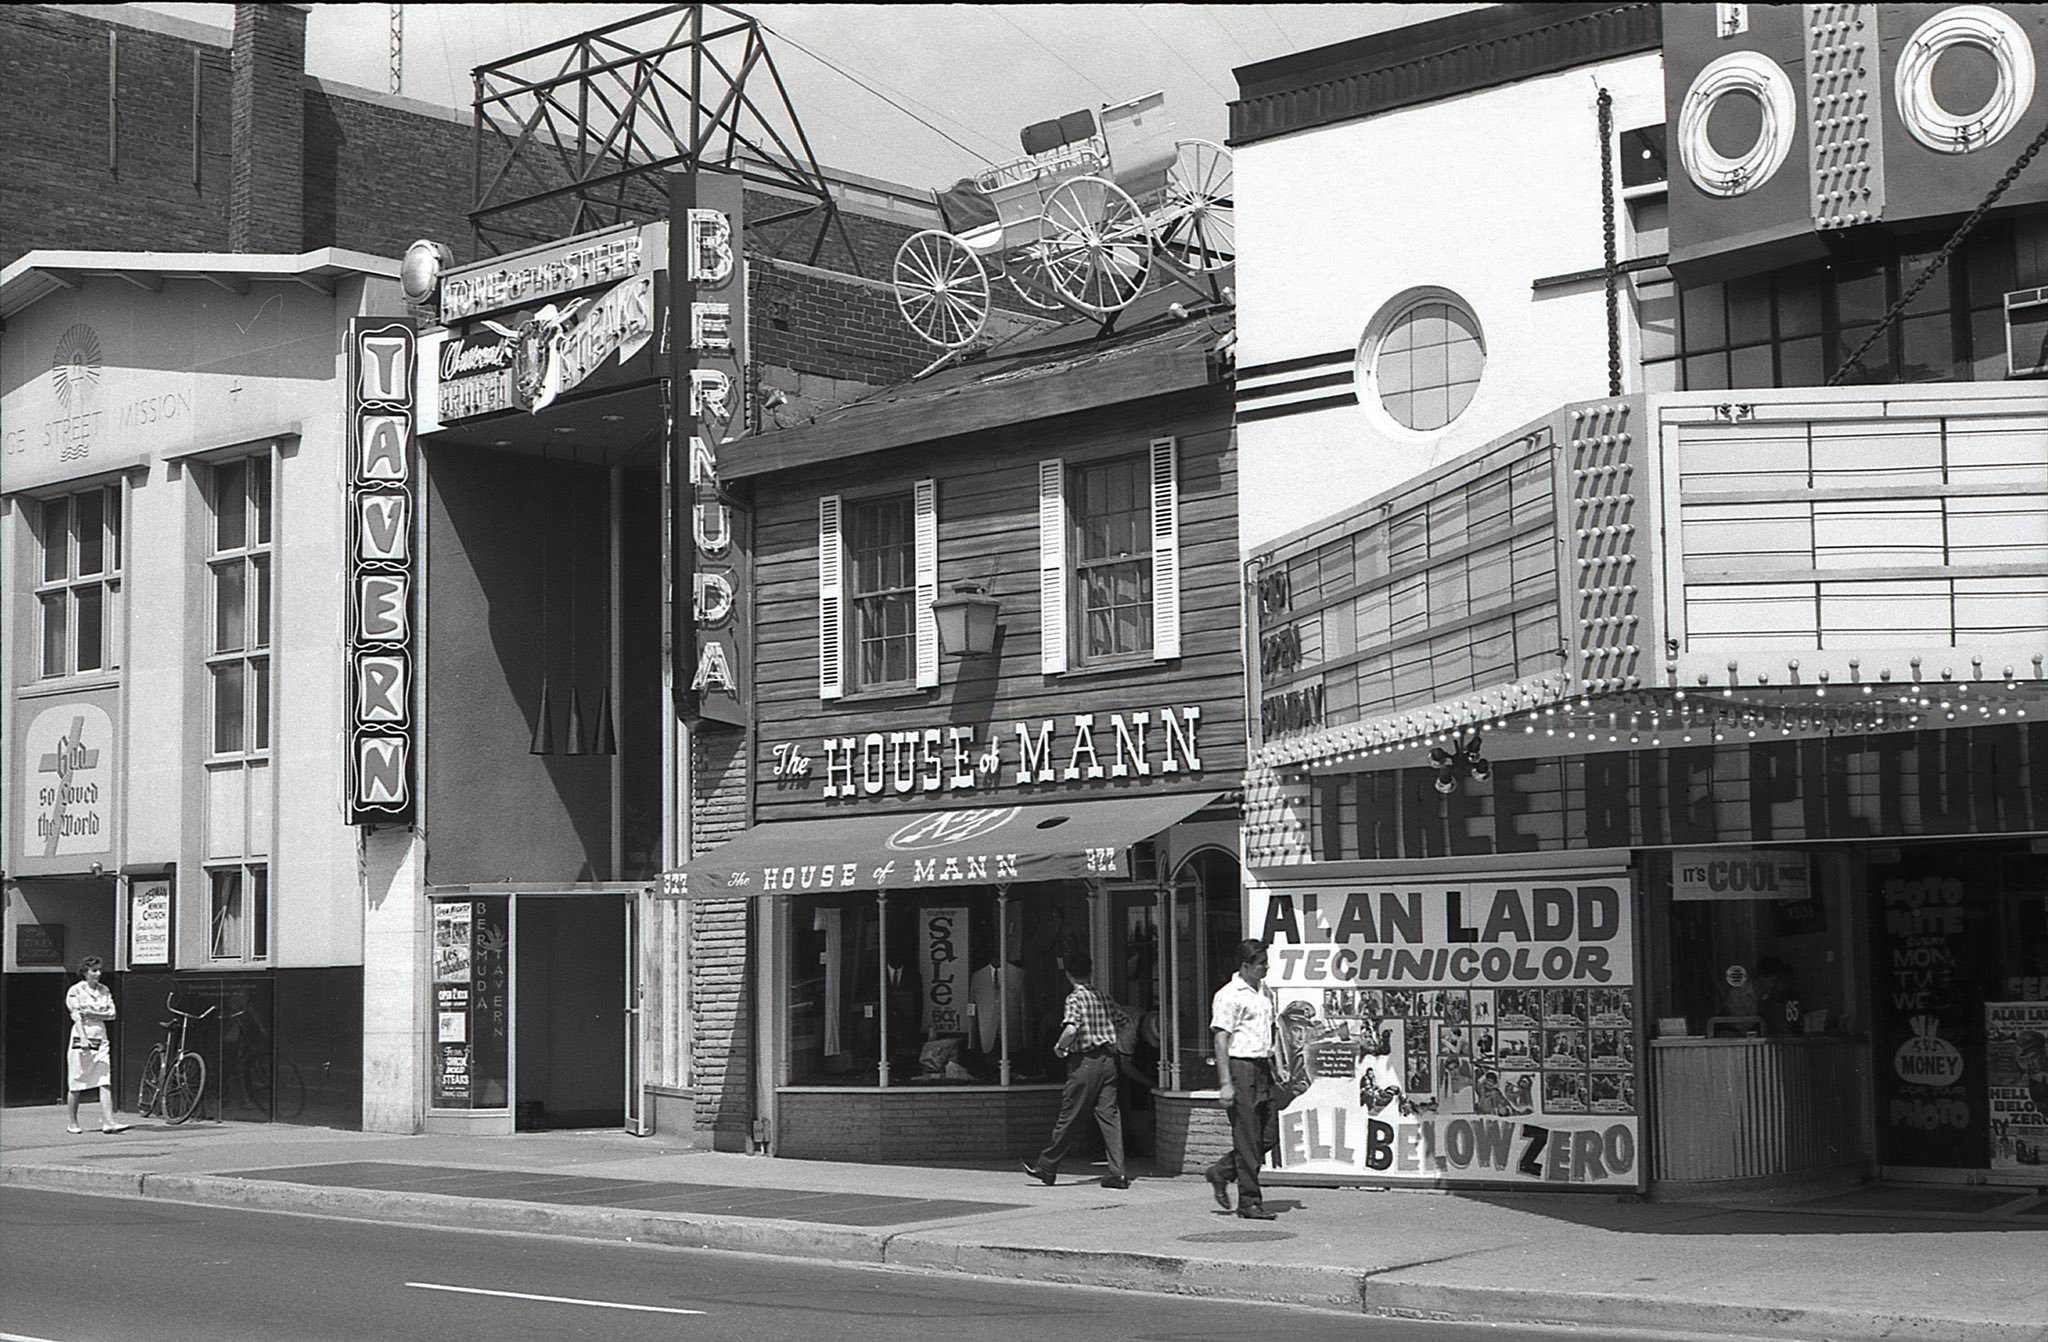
{"x": 604, "y": 741}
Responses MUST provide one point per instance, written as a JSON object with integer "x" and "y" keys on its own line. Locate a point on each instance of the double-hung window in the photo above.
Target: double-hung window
{"x": 1109, "y": 559}
{"x": 78, "y": 581}
{"x": 877, "y": 577}
{"x": 1113, "y": 559}
{"x": 238, "y": 720}
{"x": 239, "y": 912}
{"x": 881, "y": 590}
{"x": 238, "y": 634}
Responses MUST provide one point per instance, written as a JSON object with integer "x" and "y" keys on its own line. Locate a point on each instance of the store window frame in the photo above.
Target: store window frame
{"x": 240, "y": 619}
{"x": 76, "y": 575}
{"x": 1179, "y": 980}
{"x": 1964, "y": 302}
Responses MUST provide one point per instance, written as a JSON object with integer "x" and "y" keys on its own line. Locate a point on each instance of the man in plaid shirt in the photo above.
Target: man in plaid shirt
{"x": 1088, "y": 1043}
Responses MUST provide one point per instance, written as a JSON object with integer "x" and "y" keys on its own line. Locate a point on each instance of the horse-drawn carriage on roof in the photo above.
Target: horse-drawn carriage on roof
{"x": 1080, "y": 224}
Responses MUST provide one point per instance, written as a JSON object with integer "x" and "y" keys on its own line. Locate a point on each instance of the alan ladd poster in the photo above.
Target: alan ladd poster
{"x": 1448, "y": 1034}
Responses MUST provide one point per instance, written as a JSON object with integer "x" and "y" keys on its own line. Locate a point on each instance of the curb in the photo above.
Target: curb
{"x": 1317, "y": 1287}
{"x": 1513, "y": 1306}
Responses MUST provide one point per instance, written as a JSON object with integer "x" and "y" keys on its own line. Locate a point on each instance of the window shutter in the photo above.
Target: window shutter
{"x": 925, "y": 565}
{"x": 831, "y": 602}
{"x": 1165, "y": 549}
{"x": 1052, "y": 566}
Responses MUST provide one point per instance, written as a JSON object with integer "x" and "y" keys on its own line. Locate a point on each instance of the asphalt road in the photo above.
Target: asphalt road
{"x": 90, "y": 1269}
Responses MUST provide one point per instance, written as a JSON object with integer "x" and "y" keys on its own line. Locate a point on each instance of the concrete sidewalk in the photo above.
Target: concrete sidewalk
{"x": 1822, "y": 1269}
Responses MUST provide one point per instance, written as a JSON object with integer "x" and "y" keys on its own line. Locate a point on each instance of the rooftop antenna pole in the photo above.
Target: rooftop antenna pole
{"x": 397, "y": 48}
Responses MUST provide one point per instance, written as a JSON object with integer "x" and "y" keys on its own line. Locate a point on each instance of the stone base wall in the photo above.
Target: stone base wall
{"x": 1194, "y": 1131}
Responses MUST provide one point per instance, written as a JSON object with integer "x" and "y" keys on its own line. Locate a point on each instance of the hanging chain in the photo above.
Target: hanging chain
{"x": 1941, "y": 257}
{"x": 1610, "y": 259}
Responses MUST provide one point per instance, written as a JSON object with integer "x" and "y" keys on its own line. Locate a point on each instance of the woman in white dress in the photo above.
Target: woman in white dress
{"x": 88, "y": 1057}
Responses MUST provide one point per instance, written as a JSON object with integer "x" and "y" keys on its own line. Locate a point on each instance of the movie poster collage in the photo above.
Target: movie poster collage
{"x": 1498, "y": 1051}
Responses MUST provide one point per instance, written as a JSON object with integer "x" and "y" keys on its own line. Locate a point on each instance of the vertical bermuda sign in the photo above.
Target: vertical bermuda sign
{"x": 382, "y": 492}
{"x": 707, "y": 532}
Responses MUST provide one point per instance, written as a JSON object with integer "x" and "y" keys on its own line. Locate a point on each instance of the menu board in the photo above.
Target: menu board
{"x": 472, "y": 1003}
{"x": 1930, "y": 1078}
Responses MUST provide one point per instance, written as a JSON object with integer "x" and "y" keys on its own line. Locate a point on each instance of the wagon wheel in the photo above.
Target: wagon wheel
{"x": 941, "y": 289}
{"x": 1201, "y": 232}
{"x": 1098, "y": 249}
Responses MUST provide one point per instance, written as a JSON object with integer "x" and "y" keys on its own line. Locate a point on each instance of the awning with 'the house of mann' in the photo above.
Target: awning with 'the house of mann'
{"x": 1079, "y": 839}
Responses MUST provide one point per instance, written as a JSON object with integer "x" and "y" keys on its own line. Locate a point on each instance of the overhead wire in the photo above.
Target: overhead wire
{"x": 852, "y": 78}
{"x": 1206, "y": 12}
{"x": 1107, "y": 96}
{"x": 1285, "y": 36}
{"x": 1147, "y": 25}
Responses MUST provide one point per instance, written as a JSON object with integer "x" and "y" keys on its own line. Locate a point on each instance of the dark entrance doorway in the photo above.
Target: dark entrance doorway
{"x": 569, "y": 1064}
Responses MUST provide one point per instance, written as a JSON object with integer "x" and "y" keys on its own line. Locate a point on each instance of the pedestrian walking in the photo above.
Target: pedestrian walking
{"x": 87, "y": 1055}
{"x": 1241, "y": 1024}
{"x": 1088, "y": 1041}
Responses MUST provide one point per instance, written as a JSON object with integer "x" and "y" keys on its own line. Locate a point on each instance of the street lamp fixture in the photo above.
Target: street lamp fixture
{"x": 967, "y": 621}
{"x": 1464, "y": 762}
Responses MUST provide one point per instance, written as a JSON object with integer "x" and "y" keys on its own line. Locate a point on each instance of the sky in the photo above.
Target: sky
{"x": 947, "y": 86}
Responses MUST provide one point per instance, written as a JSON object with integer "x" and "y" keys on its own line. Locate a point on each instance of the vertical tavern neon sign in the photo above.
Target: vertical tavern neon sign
{"x": 708, "y": 532}
{"x": 382, "y": 492}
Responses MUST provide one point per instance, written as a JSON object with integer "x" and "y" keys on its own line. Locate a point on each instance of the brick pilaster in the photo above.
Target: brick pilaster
{"x": 267, "y": 129}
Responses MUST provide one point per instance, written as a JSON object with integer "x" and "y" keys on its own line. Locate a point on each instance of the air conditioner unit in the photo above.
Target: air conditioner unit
{"x": 2026, "y": 333}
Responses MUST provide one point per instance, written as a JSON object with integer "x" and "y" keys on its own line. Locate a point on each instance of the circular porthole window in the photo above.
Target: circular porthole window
{"x": 1421, "y": 359}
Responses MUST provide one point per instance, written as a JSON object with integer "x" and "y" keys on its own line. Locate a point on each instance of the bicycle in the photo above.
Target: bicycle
{"x": 174, "y": 1078}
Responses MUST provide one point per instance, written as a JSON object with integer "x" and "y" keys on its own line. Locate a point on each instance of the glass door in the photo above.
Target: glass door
{"x": 639, "y": 1121}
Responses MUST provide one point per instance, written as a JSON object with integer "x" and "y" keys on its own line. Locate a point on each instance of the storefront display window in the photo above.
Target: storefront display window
{"x": 1959, "y": 956}
{"x": 936, "y": 991}
{"x": 1758, "y": 942}
{"x": 959, "y": 970}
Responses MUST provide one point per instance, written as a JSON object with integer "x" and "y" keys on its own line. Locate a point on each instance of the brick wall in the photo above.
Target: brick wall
{"x": 266, "y": 129}
{"x": 57, "y": 188}
{"x": 915, "y": 1126}
{"x": 815, "y": 321}
{"x": 379, "y": 176}
{"x": 721, "y": 1012}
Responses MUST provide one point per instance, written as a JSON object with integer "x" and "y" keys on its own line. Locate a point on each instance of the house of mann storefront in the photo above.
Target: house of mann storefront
{"x": 997, "y": 706}
{"x": 1651, "y": 798}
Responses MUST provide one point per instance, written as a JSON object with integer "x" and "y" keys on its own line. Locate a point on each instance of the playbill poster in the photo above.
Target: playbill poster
{"x": 2016, "y": 1055}
{"x": 1456, "y": 1033}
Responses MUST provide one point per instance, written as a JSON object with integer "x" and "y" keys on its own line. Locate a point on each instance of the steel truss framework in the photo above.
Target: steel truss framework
{"x": 584, "y": 133}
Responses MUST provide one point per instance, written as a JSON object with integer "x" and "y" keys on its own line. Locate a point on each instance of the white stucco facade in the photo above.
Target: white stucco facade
{"x": 1336, "y": 222}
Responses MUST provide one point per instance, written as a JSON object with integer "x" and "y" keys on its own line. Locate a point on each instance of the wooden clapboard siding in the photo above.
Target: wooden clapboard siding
{"x": 987, "y": 490}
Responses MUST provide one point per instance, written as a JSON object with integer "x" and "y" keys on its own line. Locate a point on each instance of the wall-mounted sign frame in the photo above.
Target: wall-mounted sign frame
{"x": 152, "y": 918}
{"x": 382, "y": 501}
{"x": 39, "y": 945}
{"x": 531, "y": 277}
{"x": 709, "y": 541}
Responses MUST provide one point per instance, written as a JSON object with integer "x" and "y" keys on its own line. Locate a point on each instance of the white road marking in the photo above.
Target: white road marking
{"x": 521, "y": 1295}
{"x": 21, "y": 1337}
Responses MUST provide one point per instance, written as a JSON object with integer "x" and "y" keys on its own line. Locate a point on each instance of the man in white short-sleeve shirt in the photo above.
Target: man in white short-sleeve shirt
{"x": 1241, "y": 1024}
